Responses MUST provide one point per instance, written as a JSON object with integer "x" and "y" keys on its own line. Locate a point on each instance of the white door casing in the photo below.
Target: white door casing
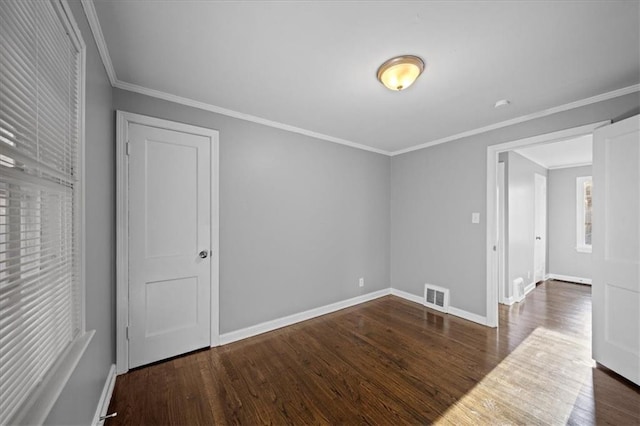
{"x": 506, "y": 292}
{"x": 491, "y": 223}
{"x": 616, "y": 247}
{"x": 540, "y": 228}
{"x": 167, "y": 214}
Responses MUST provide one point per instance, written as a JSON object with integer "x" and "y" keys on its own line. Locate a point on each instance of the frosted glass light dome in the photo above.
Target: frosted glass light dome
{"x": 400, "y": 72}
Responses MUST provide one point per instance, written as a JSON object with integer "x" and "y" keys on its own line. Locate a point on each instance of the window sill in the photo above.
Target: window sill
{"x": 40, "y": 404}
{"x": 583, "y": 249}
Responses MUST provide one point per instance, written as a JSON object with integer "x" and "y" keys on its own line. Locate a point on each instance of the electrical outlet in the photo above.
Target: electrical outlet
{"x": 361, "y": 282}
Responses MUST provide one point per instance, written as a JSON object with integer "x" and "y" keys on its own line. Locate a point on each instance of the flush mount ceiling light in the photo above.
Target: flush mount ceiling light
{"x": 400, "y": 72}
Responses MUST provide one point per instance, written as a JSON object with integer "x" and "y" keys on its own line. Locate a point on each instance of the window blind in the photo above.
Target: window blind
{"x": 40, "y": 304}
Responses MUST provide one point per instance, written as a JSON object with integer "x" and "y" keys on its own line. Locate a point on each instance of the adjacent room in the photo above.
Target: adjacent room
{"x": 319, "y": 212}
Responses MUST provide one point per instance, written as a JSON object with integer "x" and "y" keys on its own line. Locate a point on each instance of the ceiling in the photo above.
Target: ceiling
{"x": 568, "y": 153}
{"x": 312, "y": 65}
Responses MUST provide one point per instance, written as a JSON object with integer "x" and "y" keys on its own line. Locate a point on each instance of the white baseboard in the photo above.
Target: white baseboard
{"x": 469, "y": 316}
{"x": 105, "y": 397}
{"x": 569, "y": 278}
{"x": 408, "y": 296}
{"x": 529, "y": 288}
{"x": 267, "y": 326}
{"x": 264, "y": 327}
{"x": 509, "y": 301}
{"x": 452, "y": 310}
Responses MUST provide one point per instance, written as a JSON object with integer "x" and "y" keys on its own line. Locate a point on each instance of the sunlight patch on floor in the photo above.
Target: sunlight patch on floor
{"x": 538, "y": 383}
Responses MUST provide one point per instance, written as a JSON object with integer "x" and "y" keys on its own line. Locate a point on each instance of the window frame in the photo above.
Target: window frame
{"x": 581, "y": 245}
{"x": 37, "y": 406}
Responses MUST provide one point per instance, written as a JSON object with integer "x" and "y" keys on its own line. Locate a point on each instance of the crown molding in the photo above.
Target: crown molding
{"x": 242, "y": 116}
{"x": 517, "y": 151}
{"x": 568, "y": 166}
{"x": 528, "y": 117}
{"x": 96, "y": 29}
{"x": 556, "y": 167}
{"x": 98, "y": 36}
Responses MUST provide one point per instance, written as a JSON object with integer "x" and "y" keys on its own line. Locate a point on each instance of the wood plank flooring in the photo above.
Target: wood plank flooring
{"x": 391, "y": 361}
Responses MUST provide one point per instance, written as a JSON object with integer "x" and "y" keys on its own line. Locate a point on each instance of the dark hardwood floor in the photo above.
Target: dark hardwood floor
{"x": 391, "y": 361}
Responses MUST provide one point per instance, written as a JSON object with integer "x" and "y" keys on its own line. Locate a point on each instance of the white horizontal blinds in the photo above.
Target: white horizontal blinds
{"x": 39, "y": 271}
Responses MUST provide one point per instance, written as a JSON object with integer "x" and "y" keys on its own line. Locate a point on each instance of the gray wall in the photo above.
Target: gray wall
{"x": 79, "y": 399}
{"x": 520, "y": 184}
{"x": 564, "y": 259}
{"x": 435, "y": 190}
{"x": 300, "y": 219}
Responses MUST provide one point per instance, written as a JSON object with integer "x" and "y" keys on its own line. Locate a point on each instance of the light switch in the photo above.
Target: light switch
{"x": 475, "y": 217}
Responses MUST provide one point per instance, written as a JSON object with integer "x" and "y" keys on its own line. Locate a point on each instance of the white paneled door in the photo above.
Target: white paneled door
{"x": 616, "y": 247}
{"x": 540, "y": 228}
{"x": 169, "y": 243}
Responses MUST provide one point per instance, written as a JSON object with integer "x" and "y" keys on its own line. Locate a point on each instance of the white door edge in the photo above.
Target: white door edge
{"x": 491, "y": 223}
{"x": 501, "y": 246}
{"x": 123, "y": 119}
{"x": 539, "y": 179}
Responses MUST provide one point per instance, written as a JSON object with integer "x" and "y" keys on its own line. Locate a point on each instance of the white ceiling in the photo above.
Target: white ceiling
{"x": 568, "y": 153}
{"x": 313, "y": 65}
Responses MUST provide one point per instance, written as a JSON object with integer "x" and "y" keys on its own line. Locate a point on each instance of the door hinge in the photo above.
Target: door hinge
{"x": 127, "y": 332}
{"x": 127, "y": 147}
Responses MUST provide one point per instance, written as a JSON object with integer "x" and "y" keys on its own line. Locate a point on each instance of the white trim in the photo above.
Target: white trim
{"x": 569, "y": 278}
{"x": 561, "y": 166}
{"x": 560, "y": 108}
{"x": 54, "y": 382}
{"x": 408, "y": 296}
{"x": 76, "y": 37}
{"x": 275, "y": 324}
{"x": 452, "y": 310}
{"x": 105, "y": 397}
{"x": 529, "y": 288}
{"x": 517, "y": 151}
{"x": 267, "y": 326}
{"x": 492, "y": 169}
{"x": 46, "y": 394}
{"x": 98, "y": 36}
{"x": 501, "y": 230}
{"x": 123, "y": 119}
{"x": 469, "y": 316}
{"x": 508, "y": 301}
{"x": 214, "y": 339}
{"x": 122, "y": 246}
{"x": 539, "y": 181}
{"x": 568, "y": 166}
{"x": 242, "y": 116}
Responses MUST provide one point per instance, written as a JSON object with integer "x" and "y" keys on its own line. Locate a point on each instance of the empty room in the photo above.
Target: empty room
{"x": 319, "y": 212}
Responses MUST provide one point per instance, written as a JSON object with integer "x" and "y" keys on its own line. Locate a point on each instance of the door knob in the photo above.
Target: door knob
{"x": 203, "y": 254}
{"x": 538, "y": 238}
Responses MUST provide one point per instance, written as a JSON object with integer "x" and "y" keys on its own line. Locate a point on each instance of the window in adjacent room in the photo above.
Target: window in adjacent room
{"x": 583, "y": 217}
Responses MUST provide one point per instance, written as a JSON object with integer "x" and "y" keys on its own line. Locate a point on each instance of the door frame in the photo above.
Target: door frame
{"x": 493, "y": 151}
{"x": 501, "y": 230}
{"x": 536, "y": 179}
{"x": 123, "y": 119}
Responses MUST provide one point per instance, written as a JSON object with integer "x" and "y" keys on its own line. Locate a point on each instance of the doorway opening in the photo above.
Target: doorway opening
{"x": 496, "y": 259}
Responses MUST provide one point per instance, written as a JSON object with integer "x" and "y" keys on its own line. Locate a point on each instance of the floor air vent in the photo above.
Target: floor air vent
{"x": 436, "y": 298}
